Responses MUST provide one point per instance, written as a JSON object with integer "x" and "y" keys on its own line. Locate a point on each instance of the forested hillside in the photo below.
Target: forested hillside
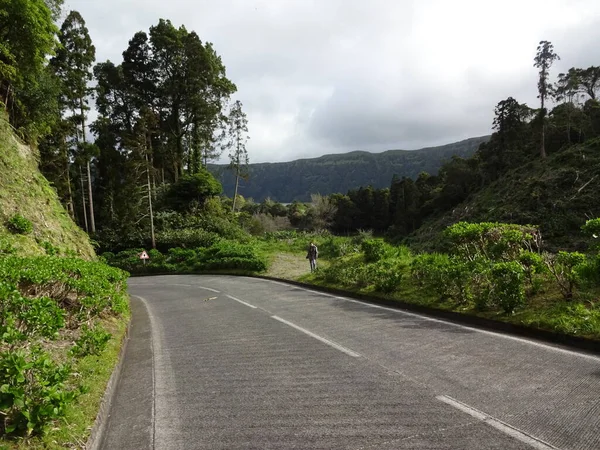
{"x": 297, "y": 180}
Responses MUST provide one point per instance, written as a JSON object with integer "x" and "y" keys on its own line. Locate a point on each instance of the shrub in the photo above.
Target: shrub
{"x": 430, "y": 269}
{"x": 589, "y": 271}
{"x": 565, "y": 268}
{"x": 91, "y": 342}
{"x": 6, "y": 248}
{"x": 508, "y": 288}
{"x": 533, "y": 264}
{"x": 492, "y": 240}
{"x": 386, "y": 275}
{"x": 231, "y": 255}
{"x": 50, "y": 249}
{"x": 374, "y": 249}
{"x": 186, "y": 238}
{"x": 450, "y": 277}
{"x": 33, "y": 390}
{"x": 20, "y": 225}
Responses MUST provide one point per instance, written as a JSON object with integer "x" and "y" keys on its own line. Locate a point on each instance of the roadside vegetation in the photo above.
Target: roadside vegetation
{"x": 58, "y": 317}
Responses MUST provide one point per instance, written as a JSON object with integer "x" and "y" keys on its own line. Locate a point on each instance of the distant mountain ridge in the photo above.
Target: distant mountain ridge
{"x": 297, "y": 180}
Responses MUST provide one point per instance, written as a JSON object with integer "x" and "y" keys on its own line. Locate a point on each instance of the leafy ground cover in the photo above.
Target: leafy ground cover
{"x": 61, "y": 325}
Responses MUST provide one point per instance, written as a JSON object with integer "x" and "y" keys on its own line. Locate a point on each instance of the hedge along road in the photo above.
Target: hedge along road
{"x": 218, "y": 362}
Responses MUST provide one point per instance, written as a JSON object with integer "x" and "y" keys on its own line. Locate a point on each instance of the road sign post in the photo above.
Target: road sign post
{"x": 144, "y": 256}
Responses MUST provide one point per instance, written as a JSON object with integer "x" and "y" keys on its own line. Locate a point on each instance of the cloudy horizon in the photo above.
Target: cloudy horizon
{"x": 336, "y": 76}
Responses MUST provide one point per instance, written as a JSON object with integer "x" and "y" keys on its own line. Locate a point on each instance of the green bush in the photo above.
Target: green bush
{"x": 226, "y": 255}
{"x": 91, "y": 342}
{"x": 564, "y": 267}
{"x": 20, "y": 225}
{"x": 492, "y": 240}
{"x": 186, "y": 238}
{"x": 50, "y": 249}
{"x": 589, "y": 271}
{"x": 374, "y": 249}
{"x": 533, "y": 264}
{"x": 33, "y": 391}
{"x": 6, "y": 248}
{"x": 508, "y": 288}
{"x": 386, "y": 275}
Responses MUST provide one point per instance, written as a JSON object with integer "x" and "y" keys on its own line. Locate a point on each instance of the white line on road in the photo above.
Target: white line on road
{"x": 195, "y": 286}
{"x": 241, "y": 301}
{"x": 478, "y": 330}
{"x": 322, "y": 339}
{"x": 498, "y": 424}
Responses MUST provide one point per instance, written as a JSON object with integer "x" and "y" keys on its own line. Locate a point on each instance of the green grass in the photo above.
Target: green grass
{"x": 74, "y": 429}
{"x": 24, "y": 190}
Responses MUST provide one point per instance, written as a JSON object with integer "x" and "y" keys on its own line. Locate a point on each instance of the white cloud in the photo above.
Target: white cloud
{"x": 321, "y": 77}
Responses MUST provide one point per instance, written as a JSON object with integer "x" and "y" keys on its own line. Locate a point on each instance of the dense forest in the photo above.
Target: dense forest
{"x": 164, "y": 112}
{"x": 297, "y": 180}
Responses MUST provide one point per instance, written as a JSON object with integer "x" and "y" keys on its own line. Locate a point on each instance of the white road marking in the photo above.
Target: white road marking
{"x": 195, "y": 286}
{"x": 322, "y": 339}
{"x": 498, "y": 424}
{"x": 478, "y": 330}
{"x": 241, "y": 301}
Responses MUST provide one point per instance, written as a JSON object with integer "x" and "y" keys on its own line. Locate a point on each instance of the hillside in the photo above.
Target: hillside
{"x": 24, "y": 191}
{"x": 296, "y": 180}
{"x": 559, "y": 194}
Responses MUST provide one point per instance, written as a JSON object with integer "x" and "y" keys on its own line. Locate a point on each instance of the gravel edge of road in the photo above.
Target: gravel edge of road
{"x": 95, "y": 439}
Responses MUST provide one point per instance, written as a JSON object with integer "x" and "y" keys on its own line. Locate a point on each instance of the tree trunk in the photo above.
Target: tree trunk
{"x": 89, "y": 172}
{"x": 7, "y": 95}
{"x": 543, "y": 146}
{"x": 150, "y": 202}
{"x": 543, "y": 143}
{"x": 237, "y": 181}
{"x": 70, "y": 208}
{"x": 85, "y": 220}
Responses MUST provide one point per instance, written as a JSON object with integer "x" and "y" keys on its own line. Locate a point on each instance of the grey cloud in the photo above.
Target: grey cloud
{"x": 321, "y": 77}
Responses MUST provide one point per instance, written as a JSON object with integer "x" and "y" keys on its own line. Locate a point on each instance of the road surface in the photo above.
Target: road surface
{"x": 241, "y": 363}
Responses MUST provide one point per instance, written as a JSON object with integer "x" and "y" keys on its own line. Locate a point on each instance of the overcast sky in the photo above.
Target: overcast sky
{"x": 330, "y": 76}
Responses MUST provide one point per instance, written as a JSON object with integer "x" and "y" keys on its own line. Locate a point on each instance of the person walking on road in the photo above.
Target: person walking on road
{"x": 313, "y": 254}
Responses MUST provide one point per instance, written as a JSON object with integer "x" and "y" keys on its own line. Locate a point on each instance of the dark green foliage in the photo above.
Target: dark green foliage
{"x": 386, "y": 275}
{"x": 20, "y": 225}
{"x": 221, "y": 255}
{"x": 192, "y": 190}
{"x": 27, "y": 37}
{"x": 50, "y": 249}
{"x": 226, "y": 255}
{"x": 564, "y": 268}
{"x": 91, "y": 342}
{"x": 507, "y": 279}
{"x": 374, "y": 249}
{"x": 186, "y": 238}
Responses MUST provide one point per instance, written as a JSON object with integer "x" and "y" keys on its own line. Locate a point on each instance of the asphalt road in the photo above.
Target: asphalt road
{"x": 240, "y": 363}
